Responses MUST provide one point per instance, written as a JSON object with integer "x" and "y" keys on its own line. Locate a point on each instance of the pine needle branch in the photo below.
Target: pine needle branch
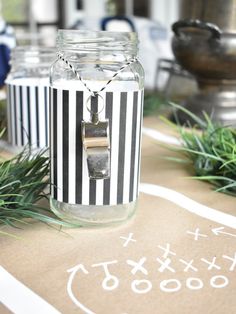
{"x": 211, "y": 151}
{"x": 23, "y": 180}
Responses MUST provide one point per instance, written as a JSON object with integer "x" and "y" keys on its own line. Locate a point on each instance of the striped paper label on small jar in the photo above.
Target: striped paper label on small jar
{"x": 70, "y": 182}
{"x": 28, "y": 114}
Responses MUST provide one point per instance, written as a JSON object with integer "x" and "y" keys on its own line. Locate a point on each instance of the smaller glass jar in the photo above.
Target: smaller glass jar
{"x": 27, "y": 96}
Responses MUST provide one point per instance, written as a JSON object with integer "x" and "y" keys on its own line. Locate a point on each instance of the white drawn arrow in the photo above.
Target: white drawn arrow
{"x": 73, "y": 272}
{"x": 189, "y": 204}
{"x": 218, "y": 231}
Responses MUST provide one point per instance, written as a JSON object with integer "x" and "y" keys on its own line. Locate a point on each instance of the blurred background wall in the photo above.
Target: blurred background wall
{"x": 36, "y": 22}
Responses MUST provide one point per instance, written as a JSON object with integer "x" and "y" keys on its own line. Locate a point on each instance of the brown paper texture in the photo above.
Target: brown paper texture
{"x": 142, "y": 266}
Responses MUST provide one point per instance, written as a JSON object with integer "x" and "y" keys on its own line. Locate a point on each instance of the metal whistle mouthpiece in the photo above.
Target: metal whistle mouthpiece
{"x": 96, "y": 142}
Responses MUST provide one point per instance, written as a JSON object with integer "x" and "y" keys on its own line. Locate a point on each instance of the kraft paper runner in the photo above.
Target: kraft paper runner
{"x": 164, "y": 260}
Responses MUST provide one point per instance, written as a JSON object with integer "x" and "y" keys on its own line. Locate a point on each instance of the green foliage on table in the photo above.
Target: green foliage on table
{"x": 211, "y": 151}
{"x": 23, "y": 180}
{"x": 3, "y": 118}
{"x": 153, "y": 102}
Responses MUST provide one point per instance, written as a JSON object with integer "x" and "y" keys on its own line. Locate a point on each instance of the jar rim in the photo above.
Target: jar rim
{"x": 33, "y": 51}
{"x": 33, "y": 54}
{"x": 90, "y": 40}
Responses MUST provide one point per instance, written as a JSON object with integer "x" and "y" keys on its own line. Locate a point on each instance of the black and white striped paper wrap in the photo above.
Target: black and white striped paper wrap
{"x": 70, "y": 182}
{"x": 28, "y": 114}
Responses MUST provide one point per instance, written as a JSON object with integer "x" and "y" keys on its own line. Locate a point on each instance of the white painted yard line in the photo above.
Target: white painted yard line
{"x": 20, "y": 299}
{"x": 189, "y": 204}
{"x": 160, "y": 137}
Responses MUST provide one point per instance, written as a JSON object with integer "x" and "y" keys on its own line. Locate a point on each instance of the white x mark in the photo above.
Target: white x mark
{"x": 128, "y": 239}
{"x": 165, "y": 265}
{"x": 211, "y": 264}
{"x": 197, "y": 234}
{"x": 166, "y": 250}
{"x": 138, "y": 266}
{"x": 188, "y": 265}
{"x": 231, "y": 259}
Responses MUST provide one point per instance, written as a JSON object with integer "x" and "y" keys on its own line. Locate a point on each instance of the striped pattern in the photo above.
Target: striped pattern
{"x": 27, "y": 115}
{"x": 70, "y": 182}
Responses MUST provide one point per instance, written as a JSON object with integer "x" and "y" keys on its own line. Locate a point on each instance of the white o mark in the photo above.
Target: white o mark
{"x": 190, "y": 283}
{"x": 219, "y": 285}
{"x": 110, "y": 283}
{"x": 137, "y": 283}
{"x": 165, "y": 283}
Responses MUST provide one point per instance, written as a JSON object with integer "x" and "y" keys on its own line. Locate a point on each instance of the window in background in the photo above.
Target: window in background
{"x": 35, "y": 22}
{"x": 79, "y": 5}
{"x": 15, "y": 11}
{"x": 132, "y": 7}
{"x": 141, "y": 8}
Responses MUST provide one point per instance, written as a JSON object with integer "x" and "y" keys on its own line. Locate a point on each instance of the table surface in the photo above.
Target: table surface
{"x": 167, "y": 259}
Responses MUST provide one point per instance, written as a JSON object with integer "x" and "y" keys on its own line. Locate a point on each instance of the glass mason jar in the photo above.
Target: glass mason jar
{"x": 96, "y": 100}
{"x": 27, "y": 96}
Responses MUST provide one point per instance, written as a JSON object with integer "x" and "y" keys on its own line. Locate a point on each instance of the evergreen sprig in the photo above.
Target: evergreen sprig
{"x": 23, "y": 180}
{"x": 211, "y": 151}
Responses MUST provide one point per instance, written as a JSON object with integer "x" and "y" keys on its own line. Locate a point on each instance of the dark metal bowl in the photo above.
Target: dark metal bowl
{"x": 204, "y": 50}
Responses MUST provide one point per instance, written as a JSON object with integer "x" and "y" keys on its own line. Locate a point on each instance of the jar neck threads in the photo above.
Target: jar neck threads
{"x": 98, "y": 43}
{"x": 33, "y": 55}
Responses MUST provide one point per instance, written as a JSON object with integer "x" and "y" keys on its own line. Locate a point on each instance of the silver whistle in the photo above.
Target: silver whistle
{"x": 96, "y": 142}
